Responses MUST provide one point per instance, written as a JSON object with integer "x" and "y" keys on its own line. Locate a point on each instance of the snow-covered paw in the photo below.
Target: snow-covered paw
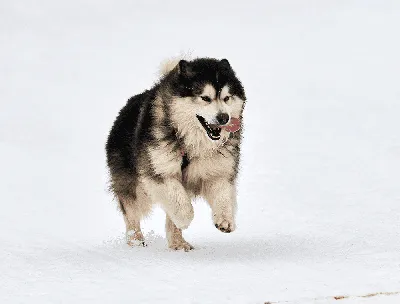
{"x": 135, "y": 238}
{"x": 224, "y": 224}
{"x": 183, "y": 216}
{"x": 181, "y": 245}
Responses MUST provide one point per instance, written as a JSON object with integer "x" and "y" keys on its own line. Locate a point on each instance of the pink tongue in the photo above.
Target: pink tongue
{"x": 233, "y": 126}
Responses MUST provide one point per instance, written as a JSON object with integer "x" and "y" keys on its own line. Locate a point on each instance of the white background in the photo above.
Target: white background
{"x": 319, "y": 195}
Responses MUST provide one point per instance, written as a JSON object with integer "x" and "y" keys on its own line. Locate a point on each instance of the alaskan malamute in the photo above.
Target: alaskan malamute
{"x": 178, "y": 140}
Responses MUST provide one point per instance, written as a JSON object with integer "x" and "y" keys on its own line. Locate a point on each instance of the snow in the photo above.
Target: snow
{"x": 319, "y": 195}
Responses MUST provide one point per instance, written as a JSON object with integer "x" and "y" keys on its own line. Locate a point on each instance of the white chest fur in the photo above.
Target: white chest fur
{"x": 205, "y": 168}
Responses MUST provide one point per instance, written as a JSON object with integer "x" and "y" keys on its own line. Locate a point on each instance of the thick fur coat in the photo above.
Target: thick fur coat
{"x": 172, "y": 142}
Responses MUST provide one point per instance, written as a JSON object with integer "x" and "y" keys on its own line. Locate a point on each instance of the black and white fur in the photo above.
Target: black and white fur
{"x": 161, "y": 148}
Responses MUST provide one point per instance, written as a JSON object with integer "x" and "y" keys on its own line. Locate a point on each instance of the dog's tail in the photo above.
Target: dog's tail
{"x": 169, "y": 64}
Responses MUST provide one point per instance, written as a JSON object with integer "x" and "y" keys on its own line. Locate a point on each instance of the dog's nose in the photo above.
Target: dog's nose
{"x": 222, "y": 118}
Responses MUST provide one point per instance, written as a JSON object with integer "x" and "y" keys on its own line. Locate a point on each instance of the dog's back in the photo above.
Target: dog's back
{"x": 131, "y": 130}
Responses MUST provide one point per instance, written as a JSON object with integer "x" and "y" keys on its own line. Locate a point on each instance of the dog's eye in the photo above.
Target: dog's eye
{"x": 206, "y": 98}
{"x": 226, "y": 98}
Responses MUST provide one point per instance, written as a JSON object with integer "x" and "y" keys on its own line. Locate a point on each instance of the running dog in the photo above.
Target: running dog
{"x": 178, "y": 140}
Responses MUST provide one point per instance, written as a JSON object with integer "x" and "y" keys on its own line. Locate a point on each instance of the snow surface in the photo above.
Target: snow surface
{"x": 319, "y": 195}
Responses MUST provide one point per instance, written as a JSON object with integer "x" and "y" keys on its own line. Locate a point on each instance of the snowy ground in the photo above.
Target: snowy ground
{"x": 319, "y": 194}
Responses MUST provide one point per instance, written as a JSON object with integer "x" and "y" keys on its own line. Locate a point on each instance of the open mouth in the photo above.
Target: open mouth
{"x": 213, "y": 131}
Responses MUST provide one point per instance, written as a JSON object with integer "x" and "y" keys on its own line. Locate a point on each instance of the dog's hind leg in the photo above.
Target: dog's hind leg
{"x": 134, "y": 210}
{"x": 134, "y": 235}
{"x": 174, "y": 236}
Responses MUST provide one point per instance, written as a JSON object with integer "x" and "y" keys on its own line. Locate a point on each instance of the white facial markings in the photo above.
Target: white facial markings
{"x": 185, "y": 110}
{"x": 210, "y": 111}
{"x": 233, "y": 106}
{"x": 224, "y": 93}
{"x": 209, "y": 91}
{"x": 225, "y": 106}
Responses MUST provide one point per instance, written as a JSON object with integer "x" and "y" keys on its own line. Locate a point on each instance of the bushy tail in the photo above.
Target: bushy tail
{"x": 169, "y": 64}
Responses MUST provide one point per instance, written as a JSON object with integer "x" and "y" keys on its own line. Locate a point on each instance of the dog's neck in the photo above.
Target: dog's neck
{"x": 189, "y": 152}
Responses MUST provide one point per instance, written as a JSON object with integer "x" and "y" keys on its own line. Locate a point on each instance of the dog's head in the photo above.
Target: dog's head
{"x": 209, "y": 97}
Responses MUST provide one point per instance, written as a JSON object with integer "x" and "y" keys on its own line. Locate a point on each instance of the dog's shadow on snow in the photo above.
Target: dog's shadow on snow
{"x": 251, "y": 248}
{"x": 278, "y": 247}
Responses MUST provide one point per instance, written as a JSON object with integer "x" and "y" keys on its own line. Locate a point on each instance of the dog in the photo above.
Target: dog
{"x": 178, "y": 140}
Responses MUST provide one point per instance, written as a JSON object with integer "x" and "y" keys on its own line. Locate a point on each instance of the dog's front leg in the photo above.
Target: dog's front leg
{"x": 221, "y": 195}
{"x": 173, "y": 198}
{"x": 178, "y": 203}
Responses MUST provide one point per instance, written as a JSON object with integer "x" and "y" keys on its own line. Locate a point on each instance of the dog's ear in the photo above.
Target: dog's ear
{"x": 224, "y": 64}
{"x": 185, "y": 69}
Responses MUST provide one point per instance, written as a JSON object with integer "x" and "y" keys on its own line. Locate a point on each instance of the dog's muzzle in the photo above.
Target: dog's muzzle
{"x": 214, "y": 131}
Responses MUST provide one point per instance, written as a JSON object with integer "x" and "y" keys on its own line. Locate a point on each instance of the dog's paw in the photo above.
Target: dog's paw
{"x": 183, "y": 216}
{"x": 181, "y": 245}
{"x": 224, "y": 223}
{"x": 135, "y": 239}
